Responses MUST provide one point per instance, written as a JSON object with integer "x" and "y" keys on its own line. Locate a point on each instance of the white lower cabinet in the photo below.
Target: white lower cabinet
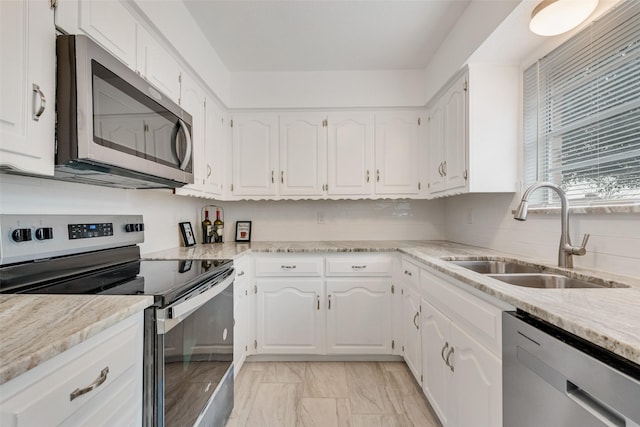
{"x": 290, "y": 319}
{"x": 48, "y": 395}
{"x": 358, "y": 316}
{"x": 411, "y": 314}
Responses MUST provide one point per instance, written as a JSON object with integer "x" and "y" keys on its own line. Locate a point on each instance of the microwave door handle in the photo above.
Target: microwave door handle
{"x": 187, "y": 135}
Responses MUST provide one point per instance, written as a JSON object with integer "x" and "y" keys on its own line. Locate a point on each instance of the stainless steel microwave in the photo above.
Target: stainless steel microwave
{"x": 113, "y": 127}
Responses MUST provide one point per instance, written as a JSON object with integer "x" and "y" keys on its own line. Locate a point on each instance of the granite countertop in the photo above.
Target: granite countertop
{"x": 35, "y": 328}
{"x": 607, "y": 317}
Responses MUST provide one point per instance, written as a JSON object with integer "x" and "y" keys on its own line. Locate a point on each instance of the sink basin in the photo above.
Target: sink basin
{"x": 553, "y": 281}
{"x": 498, "y": 267}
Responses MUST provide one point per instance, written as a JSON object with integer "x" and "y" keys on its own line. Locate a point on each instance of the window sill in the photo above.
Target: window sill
{"x": 586, "y": 210}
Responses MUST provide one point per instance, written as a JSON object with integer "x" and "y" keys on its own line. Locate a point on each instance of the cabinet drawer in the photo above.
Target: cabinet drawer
{"x": 480, "y": 319}
{"x": 289, "y": 266}
{"x": 43, "y": 396}
{"x": 410, "y": 274}
{"x": 359, "y": 266}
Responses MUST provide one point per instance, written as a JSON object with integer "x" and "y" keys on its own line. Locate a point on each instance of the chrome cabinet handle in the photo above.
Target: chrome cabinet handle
{"x": 450, "y": 364}
{"x": 329, "y": 306}
{"x": 287, "y": 267}
{"x": 97, "y": 383}
{"x": 368, "y": 176}
{"x": 444, "y": 168}
{"x": 282, "y": 177}
{"x": 408, "y": 273}
{"x": 318, "y": 301}
{"x": 440, "y": 169}
{"x": 187, "y": 156}
{"x": 241, "y": 273}
{"x": 414, "y": 320}
{"x": 208, "y": 170}
{"x": 43, "y": 102}
{"x": 444, "y": 348}
{"x": 377, "y": 175}
{"x": 359, "y": 267}
{"x": 273, "y": 181}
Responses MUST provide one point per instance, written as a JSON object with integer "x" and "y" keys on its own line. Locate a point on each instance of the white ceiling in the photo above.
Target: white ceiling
{"x": 325, "y": 35}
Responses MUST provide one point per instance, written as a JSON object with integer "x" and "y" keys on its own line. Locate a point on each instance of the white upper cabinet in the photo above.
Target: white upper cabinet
{"x": 447, "y": 138}
{"x": 397, "y": 139}
{"x": 156, "y": 65}
{"x": 255, "y": 155}
{"x": 27, "y": 74}
{"x": 215, "y": 149}
{"x": 472, "y": 147}
{"x": 303, "y": 154}
{"x": 107, "y": 22}
{"x": 350, "y": 164}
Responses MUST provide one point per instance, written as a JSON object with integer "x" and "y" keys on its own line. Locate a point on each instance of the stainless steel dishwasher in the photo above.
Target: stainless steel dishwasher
{"x": 552, "y": 378}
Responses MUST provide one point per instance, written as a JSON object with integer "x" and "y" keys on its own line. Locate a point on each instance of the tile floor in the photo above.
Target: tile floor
{"x": 328, "y": 394}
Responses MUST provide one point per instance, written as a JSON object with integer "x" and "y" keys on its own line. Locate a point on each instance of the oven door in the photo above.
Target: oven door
{"x": 194, "y": 369}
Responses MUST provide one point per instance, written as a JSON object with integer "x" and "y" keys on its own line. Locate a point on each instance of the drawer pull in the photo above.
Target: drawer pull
{"x": 408, "y": 273}
{"x": 444, "y": 348}
{"x": 450, "y": 364}
{"x": 414, "y": 320}
{"x": 359, "y": 267}
{"x": 241, "y": 273}
{"x": 329, "y": 302}
{"x": 97, "y": 383}
{"x": 288, "y": 267}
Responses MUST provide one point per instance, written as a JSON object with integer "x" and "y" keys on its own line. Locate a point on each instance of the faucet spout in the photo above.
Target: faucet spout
{"x": 565, "y": 250}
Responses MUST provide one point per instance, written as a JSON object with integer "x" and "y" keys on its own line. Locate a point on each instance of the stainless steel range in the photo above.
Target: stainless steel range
{"x": 188, "y": 360}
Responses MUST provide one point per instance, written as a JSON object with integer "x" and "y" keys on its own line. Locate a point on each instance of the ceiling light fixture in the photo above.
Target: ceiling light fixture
{"x": 553, "y": 17}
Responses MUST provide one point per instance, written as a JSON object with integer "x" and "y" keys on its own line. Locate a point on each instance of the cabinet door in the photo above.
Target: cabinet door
{"x": 358, "y": 316}
{"x": 27, "y": 71}
{"x": 412, "y": 343}
{"x": 303, "y": 155}
{"x": 350, "y": 162}
{"x": 437, "y": 377}
{"x": 215, "y": 149}
{"x": 436, "y": 148}
{"x": 255, "y": 155}
{"x": 240, "y": 315}
{"x": 157, "y": 66}
{"x": 477, "y": 386}
{"x": 290, "y": 316}
{"x": 396, "y": 145}
{"x": 193, "y": 102}
{"x": 455, "y": 132}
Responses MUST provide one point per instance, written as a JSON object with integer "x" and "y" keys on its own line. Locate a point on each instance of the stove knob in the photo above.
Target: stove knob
{"x": 139, "y": 227}
{"x": 21, "y": 235}
{"x": 45, "y": 233}
{"x": 129, "y": 228}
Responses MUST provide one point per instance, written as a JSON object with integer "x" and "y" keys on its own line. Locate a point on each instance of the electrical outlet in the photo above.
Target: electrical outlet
{"x": 320, "y": 217}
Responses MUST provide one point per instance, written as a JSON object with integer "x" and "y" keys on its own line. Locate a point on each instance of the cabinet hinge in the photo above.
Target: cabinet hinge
{"x": 205, "y": 103}
{"x": 403, "y": 349}
{"x": 465, "y": 86}
{"x": 255, "y": 289}
{"x": 53, "y": 4}
{"x": 419, "y": 121}
{"x": 393, "y": 289}
{"x": 419, "y": 186}
{"x": 231, "y": 122}
{"x": 421, "y": 378}
{"x": 428, "y": 185}
{"x": 180, "y": 78}
{"x": 401, "y": 291}
{"x": 464, "y": 175}
{"x": 325, "y": 123}
{"x": 393, "y": 344}
{"x": 255, "y": 344}
{"x": 146, "y": 127}
{"x": 246, "y": 348}
{"x": 232, "y": 188}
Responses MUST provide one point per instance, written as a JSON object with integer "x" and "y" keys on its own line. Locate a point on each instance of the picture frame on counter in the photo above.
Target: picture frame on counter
{"x": 188, "y": 238}
{"x": 243, "y": 231}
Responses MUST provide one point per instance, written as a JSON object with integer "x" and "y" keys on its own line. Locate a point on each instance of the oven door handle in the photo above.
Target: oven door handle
{"x": 174, "y": 314}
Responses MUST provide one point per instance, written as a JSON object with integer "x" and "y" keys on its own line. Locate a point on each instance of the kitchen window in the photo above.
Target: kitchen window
{"x": 582, "y": 113}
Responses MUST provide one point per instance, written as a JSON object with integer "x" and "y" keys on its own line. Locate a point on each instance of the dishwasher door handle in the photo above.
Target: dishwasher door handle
{"x": 596, "y": 408}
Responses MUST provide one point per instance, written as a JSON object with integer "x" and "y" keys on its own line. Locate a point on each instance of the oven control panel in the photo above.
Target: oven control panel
{"x": 32, "y": 237}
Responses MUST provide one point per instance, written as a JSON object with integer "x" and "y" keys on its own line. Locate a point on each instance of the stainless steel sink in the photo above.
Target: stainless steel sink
{"x": 554, "y": 281}
{"x": 498, "y": 267}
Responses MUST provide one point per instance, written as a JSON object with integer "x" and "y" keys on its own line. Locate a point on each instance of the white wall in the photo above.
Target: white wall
{"x": 328, "y": 89}
{"x": 614, "y": 245}
{"x": 281, "y": 220}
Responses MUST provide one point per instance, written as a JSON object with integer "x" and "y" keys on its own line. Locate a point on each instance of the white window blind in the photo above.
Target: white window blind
{"x": 582, "y": 112}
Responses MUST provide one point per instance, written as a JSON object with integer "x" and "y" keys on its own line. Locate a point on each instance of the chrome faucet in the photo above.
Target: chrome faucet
{"x": 566, "y": 250}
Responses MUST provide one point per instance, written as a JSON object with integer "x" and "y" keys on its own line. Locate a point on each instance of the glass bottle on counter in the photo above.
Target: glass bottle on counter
{"x": 218, "y": 227}
{"x": 207, "y": 229}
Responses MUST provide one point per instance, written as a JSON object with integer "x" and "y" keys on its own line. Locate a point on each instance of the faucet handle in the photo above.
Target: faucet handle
{"x": 581, "y": 250}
